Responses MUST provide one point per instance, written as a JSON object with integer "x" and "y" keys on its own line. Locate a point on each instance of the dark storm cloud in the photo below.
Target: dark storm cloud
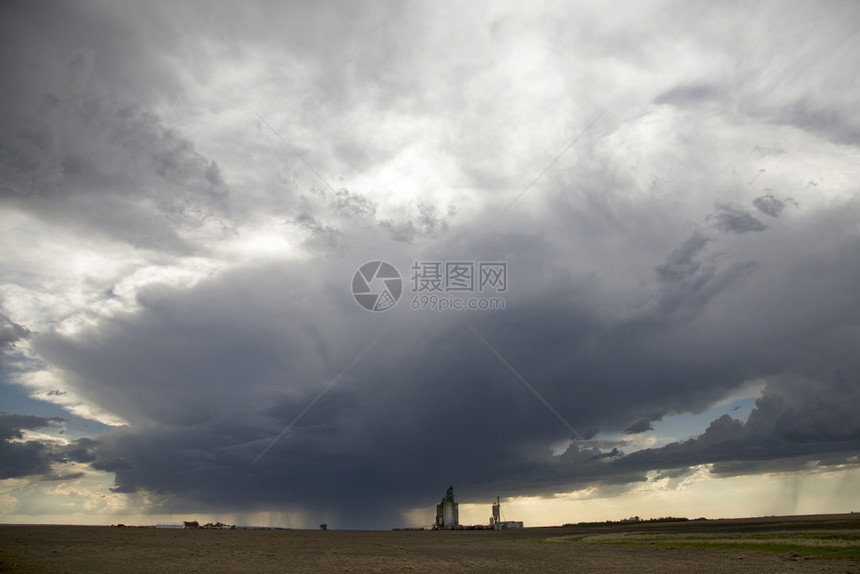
{"x": 121, "y": 171}
{"x": 639, "y": 426}
{"x": 618, "y": 315}
{"x": 24, "y": 458}
{"x": 430, "y": 404}
{"x": 78, "y": 152}
{"x": 80, "y": 450}
{"x": 11, "y": 425}
{"x": 689, "y": 278}
{"x": 797, "y": 421}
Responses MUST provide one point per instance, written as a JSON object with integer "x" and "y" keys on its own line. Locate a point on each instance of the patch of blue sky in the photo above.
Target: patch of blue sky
{"x": 14, "y": 399}
{"x": 677, "y": 428}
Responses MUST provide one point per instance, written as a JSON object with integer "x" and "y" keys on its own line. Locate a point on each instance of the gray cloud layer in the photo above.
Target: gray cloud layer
{"x": 631, "y": 299}
{"x": 24, "y": 457}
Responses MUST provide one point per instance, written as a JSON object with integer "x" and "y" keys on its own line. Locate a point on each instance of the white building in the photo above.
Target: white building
{"x": 170, "y": 524}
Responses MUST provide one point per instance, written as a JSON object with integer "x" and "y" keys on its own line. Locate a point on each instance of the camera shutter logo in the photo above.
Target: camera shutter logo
{"x": 377, "y": 286}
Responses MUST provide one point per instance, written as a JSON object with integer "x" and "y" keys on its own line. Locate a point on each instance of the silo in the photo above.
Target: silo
{"x": 448, "y": 511}
{"x": 449, "y": 514}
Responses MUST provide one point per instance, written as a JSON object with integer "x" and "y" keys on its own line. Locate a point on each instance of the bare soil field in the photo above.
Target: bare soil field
{"x": 695, "y": 546}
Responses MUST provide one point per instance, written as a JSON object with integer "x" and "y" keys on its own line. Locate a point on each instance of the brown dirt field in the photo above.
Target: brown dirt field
{"x": 60, "y": 549}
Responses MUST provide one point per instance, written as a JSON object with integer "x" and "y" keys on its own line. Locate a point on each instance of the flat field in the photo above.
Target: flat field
{"x": 787, "y": 544}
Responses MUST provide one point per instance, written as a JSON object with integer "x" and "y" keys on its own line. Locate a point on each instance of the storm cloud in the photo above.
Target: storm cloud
{"x": 23, "y": 457}
{"x": 186, "y": 201}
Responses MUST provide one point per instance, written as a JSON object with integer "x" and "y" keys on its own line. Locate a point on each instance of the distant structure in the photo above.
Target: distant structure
{"x": 447, "y": 512}
{"x": 170, "y": 524}
{"x": 448, "y": 516}
{"x": 497, "y": 513}
{"x": 496, "y": 521}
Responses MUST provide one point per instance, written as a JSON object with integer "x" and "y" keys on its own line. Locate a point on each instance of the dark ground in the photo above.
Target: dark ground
{"x": 32, "y": 549}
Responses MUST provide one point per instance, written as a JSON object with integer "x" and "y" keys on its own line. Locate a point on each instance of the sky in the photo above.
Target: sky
{"x": 667, "y": 193}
